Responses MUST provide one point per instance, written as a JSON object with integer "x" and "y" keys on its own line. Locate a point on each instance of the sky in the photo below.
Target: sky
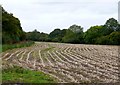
{"x": 47, "y": 15}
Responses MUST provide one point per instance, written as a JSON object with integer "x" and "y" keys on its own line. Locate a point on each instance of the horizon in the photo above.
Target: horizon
{"x": 49, "y": 15}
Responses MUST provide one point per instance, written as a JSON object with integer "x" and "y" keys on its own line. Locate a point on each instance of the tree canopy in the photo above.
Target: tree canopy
{"x": 104, "y": 34}
{"x": 11, "y": 28}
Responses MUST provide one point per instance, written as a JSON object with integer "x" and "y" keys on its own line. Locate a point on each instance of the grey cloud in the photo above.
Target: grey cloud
{"x": 46, "y": 15}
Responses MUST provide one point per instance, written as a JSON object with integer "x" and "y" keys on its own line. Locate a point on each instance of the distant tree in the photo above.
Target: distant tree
{"x": 37, "y": 36}
{"x": 34, "y": 35}
{"x": 103, "y": 40}
{"x": 74, "y": 34}
{"x": 43, "y": 37}
{"x": 57, "y": 35}
{"x": 91, "y": 34}
{"x": 110, "y": 26}
{"x": 69, "y": 37}
{"x": 54, "y": 35}
{"x": 110, "y": 33}
{"x": 76, "y": 29}
{"x": 114, "y": 38}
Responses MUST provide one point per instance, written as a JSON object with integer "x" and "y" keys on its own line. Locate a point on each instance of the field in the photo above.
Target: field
{"x": 68, "y": 62}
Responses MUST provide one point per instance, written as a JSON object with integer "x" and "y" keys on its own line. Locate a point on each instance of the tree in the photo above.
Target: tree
{"x": 103, "y": 40}
{"x": 57, "y": 35}
{"x": 110, "y": 26}
{"x": 37, "y": 36}
{"x": 43, "y": 37}
{"x": 115, "y": 38}
{"x": 91, "y": 34}
{"x": 76, "y": 29}
{"x": 69, "y": 37}
{"x": 74, "y": 34}
{"x": 11, "y": 28}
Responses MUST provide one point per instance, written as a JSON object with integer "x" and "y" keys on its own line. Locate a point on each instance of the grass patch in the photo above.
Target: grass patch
{"x": 17, "y": 45}
{"x": 21, "y": 75}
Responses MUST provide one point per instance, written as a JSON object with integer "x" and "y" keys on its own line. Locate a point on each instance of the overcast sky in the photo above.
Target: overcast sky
{"x": 46, "y": 15}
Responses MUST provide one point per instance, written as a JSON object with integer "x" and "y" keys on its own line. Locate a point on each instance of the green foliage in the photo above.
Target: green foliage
{"x": 43, "y": 37}
{"x": 76, "y": 29}
{"x": 115, "y": 38}
{"x": 91, "y": 34}
{"x": 11, "y": 28}
{"x": 17, "y": 45}
{"x": 57, "y": 35}
{"x": 74, "y": 34}
{"x": 110, "y": 26}
{"x": 69, "y": 37}
{"x": 107, "y": 34}
{"x": 104, "y": 40}
{"x": 112, "y": 39}
{"x": 36, "y": 36}
{"x": 21, "y": 75}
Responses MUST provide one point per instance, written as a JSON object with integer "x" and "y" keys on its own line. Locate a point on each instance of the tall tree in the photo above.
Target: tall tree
{"x": 74, "y": 34}
{"x": 75, "y": 28}
{"x": 91, "y": 34}
{"x": 57, "y": 35}
{"x": 11, "y": 28}
{"x": 110, "y": 26}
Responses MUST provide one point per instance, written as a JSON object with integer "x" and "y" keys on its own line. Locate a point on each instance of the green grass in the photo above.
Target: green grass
{"x": 21, "y": 75}
{"x": 17, "y": 45}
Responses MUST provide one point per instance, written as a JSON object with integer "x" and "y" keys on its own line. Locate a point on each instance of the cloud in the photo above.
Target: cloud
{"x": 46, "y": 15}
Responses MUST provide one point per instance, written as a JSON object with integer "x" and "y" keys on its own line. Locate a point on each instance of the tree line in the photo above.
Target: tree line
{"x": 107, "y": 34}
